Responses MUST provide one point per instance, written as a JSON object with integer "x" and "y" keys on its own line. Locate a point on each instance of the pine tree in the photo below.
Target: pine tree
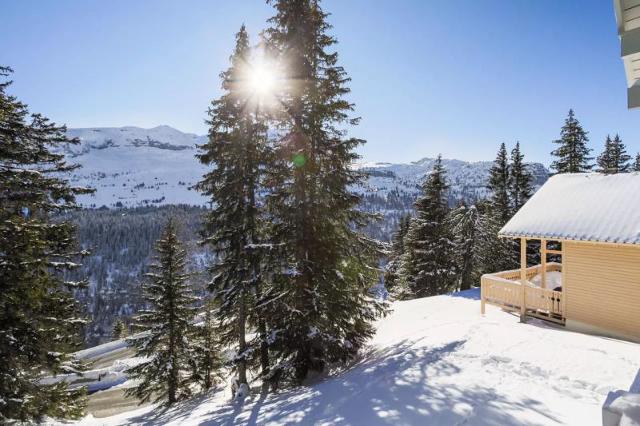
{"x": 519, "y": 180}
{"x": 605, "y": 160}
{"x": 238, "y": 151}
{"x": 493, "y": 254}
{"x": 428, "y": 266}
{"x": 499, "y": 185}
{"x": 614, "y": 159}
{"x": 167, "y": 326}
{"x": 572, "y": 154}
{"x": 636, "y": 164}
{"x": 206, "y": 362}
{"x": 119, "y": 329}
{"x": 322, "y": 309}
{"x": 464, "y": 223}
{"x": 39, "y": 322}
{"x": 397, "y": 251}
{"x": 621, "y": 160}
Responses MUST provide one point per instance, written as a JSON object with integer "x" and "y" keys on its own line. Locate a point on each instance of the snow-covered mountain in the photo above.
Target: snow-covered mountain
{"x": 468, "y": 180}
{"x": 131, "y": 166}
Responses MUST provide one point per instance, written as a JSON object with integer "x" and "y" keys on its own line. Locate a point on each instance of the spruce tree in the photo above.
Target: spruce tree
{"x": 206, "y": 362}
{"x": 572, "y": 154}
{"x": 237, "y": 151}
{"x": 322, "y": 309}
{"x": 395, "y": 256}
{"x": 39, "y": 319}
{"x": 166, "y": 324}
{"x": 636, "y": 164}
{"x": 614, "y": 159}
{"x": 428, "y": 266}
{"x": 499, "y": 185}
{"x": 464, "y": 223}
{"x": 519, "y": 180}
{"x": 119, "y": 329}
{"x": 605, "y": 160}
{"x": 621, "y": 160}
{"x": 493, "y": 254}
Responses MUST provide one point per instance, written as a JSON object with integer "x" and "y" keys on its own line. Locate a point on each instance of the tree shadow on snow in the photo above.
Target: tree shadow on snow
{"x": 473, "y": 294}
{"x": 394, "y": 386}
{"x": 164, "y": 415}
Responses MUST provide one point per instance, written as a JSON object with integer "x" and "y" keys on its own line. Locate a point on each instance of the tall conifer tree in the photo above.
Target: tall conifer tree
{"x": 572, "y": 154}
{"x": 519, "y": 180}
{"x": 324, "y": 310}
{"x": 499, "y": 185}
{"x": 621, "y": 160}
{"x": 493, "y": 254}
{"x": 237, "y": 152}
{"x": 614, "y": 159}
{"x": 395, "y": 257}
{"x": 119, "y": 329}
{"x": 428, "y": 266}
{"x": 39, "y": 323}
{"x": 464, "y": 223}
{"x": 636, "y": 164}
{"x": 605, "y": 160}
{"x": 167, "y": 324}
{"x": 206, "y": 361}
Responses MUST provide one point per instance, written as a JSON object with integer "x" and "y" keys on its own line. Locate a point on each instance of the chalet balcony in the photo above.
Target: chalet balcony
{"x": 539, "y": 294}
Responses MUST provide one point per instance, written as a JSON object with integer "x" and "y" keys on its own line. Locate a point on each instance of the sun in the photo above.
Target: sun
{"x": 260, "y": 82}
{"x": 261, "y": 79}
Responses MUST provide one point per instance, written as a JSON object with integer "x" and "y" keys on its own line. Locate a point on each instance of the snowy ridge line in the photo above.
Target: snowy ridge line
{"x": 130, "y": 167}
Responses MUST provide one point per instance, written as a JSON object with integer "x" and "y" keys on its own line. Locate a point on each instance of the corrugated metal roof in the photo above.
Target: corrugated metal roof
{"x": 584, "y": 207}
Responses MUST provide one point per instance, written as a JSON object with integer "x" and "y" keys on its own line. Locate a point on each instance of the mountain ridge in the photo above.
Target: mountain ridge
{"x": 132, "y": 166}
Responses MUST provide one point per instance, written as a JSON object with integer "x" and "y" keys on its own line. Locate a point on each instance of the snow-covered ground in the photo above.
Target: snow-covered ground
{"x": 437, "y": 361}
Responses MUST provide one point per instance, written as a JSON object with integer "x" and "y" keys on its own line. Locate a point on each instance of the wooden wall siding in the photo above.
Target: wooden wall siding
{"x": 602, "y": 286}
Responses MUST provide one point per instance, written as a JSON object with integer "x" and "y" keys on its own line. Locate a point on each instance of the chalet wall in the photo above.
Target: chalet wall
{"x": 602, "y": 288}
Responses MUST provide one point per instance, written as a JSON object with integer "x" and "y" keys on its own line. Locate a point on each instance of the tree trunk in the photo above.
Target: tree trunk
{"x": 264, "y": 354}
{"x": 242, "y": 343}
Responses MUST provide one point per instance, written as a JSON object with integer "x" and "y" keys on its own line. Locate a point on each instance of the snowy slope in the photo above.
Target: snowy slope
{"x": 130, "y": 166}
{"x": 437, "y": 361}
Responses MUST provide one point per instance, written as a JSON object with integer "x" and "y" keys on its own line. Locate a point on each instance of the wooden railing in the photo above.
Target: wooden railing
{"x": 505, "y": 290}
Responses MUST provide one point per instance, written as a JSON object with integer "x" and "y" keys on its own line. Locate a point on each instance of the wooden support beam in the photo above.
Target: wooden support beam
{"x": 563, "y": 302}
{"x": 543, "y": 263}
{"x": 482, "y": 300}
{"x": 523, "y": 278}
{"x": 554, "y": 252}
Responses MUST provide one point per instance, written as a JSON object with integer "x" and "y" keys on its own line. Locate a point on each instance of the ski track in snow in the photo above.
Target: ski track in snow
{"x": 437, "y": 361}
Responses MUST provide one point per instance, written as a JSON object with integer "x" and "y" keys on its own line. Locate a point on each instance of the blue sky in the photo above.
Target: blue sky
{"x": 429, "y": 76}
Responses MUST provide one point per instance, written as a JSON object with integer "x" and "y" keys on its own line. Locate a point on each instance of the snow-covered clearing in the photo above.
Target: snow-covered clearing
{"x": 437, "y": 361}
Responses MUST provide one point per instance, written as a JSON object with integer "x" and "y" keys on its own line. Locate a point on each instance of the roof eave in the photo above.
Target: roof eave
{"x": 566, "y": 239}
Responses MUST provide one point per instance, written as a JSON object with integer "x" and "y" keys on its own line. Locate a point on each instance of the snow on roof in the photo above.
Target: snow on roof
{"x": 584, "y": 207}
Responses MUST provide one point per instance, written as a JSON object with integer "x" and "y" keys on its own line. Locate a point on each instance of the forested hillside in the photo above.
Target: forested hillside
{"x": 121, "y": 239}
{"x": 121, "y": 243}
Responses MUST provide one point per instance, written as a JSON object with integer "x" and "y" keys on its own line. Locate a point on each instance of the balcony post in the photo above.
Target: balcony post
{"x": 482, "y": 289}
{"x": 543, "y": 263}
{"x": 523, "y": 278}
